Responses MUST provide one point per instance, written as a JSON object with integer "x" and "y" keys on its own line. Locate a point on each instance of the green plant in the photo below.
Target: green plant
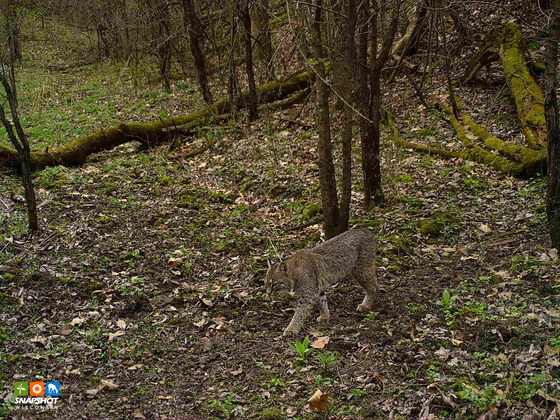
{"x": 446, "y": 299}
{"x": 326, "y": 359}
{"x": 227, "y": 406}
{"x": 302, "y": 349}
{"x": 484, "y": 399}
{"x": 276, "y": 384}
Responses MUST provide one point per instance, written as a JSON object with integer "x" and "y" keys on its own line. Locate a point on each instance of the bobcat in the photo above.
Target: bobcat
{"x": 309, "y": 272}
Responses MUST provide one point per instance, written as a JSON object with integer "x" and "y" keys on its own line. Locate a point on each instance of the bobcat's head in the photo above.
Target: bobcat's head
{"x": 279, "y": 274}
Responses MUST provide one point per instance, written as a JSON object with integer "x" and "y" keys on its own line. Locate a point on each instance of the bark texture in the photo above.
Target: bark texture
{"x": 327, "y": 178}
{"x": 195, "y": 31}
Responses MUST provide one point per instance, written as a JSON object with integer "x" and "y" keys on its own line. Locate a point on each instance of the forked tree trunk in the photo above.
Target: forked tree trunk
{"x": 20, "y": 142}
{"x": 195, "y": 31}
{"x": 371, "y": 163}
{"x": 347, "y": 67}
{"x": 327, "y": 178}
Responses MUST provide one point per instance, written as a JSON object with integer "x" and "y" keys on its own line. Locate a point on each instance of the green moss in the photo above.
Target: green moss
{"x": 431, "y": 227}
{"x": 92, "y": 287}
{"x": 9, "y": 277}
{"x": 401, "y": 244}
{"x": 541, "y": 208}
{"x": 272, "y": 415}
{"x": 528, "y": 96}
{"x": 7, "y": 301}
{"x": 312, "y": 210}
{"x": 435, "y": 226}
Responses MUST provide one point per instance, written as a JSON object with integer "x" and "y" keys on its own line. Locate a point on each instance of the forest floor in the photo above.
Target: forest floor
{"x": 143, "y": 292}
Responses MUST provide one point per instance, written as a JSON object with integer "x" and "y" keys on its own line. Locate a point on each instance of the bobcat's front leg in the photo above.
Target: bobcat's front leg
{"x": 324, "y": 313}
{"x": 303, "y": 310}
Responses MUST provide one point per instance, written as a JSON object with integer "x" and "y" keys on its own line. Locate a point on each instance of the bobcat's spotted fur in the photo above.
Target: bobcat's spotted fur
{"x": 310, "y": 272}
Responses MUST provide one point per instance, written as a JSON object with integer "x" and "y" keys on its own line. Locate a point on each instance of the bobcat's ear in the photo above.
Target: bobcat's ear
{"x": 283, "y": 268}
{"x": 268, "y": 263}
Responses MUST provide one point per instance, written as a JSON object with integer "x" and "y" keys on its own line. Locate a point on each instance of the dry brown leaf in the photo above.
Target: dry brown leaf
{"x": 107, "y": 384}
{"x": 485, "y": 228}
{"x": 320, "y": 342}
{"x": 66, "y": 330}
{"x": 319, "y": 401}
{"x": 115, "y": 335}
{"x": 237, "y": 372}
{"x": 174, "y": 261}
{"x": 207, "y": 302}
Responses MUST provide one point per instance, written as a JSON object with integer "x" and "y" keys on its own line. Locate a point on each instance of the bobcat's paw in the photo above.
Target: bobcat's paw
{"x": 288, "y": 332}
{"x": 363, "y": 308}
{"x": 323, "y": 320}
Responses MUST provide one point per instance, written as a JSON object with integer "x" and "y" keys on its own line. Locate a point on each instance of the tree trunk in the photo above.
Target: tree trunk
{"x": 12, "y": 31}
{"x": 371, "y": 163}
{"x": 163, "y": 41}
{"x": 324, "y": 147}
{"x": 508, "y": 42}
{"x": 194, "y": 29}
{"x": 245, "y": 17}
{"x": 552, "y": 126}
{"x": 347, "y": 68}
{"x": 260, "y": 29}
{"x": 19, "y": 141}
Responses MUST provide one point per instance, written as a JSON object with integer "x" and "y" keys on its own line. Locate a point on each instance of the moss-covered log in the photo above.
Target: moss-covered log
{"x": 77, "y": 151}
{"x": 508, "y": 43}
{"x": 528, "y": 96}
{"x": 529, "y": 161}
{"x": 473, "y": 152}
{"x": 518, "y": 160}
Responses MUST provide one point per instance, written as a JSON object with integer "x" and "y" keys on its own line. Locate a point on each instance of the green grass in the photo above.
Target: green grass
{"x": 57, "y": 107}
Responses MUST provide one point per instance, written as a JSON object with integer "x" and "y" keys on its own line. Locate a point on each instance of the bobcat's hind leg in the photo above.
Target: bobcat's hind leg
{"x": 324, "y": 313}
{"x": 366, "y": 276}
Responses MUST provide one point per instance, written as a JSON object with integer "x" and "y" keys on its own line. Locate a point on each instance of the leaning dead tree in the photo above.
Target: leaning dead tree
{"x": 506, "y": 44}
{"x": 77, "y": 151}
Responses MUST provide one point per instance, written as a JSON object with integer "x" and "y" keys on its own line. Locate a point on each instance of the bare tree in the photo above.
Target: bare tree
{"x": 245, "y": 18}
{"x": 260, "y": 30}
{"x": 16, "y": 135}
{"x": 324, "y": 147}
{"x": 195, "y": 31}
{"x": 370, "y": 93}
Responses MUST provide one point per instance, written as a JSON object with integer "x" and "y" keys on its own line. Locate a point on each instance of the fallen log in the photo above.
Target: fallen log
{"x": 517, "y": 160}
{"x": 77, "y": 151}
{"x": 527, "y": 164}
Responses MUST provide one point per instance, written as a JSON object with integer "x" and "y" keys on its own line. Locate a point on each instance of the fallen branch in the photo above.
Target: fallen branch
{"x": 531, "y": 165}
{"x": 77, "y": 151}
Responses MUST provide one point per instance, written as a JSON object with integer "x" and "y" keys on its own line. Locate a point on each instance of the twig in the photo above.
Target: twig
{"x": 311, "y": 223}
